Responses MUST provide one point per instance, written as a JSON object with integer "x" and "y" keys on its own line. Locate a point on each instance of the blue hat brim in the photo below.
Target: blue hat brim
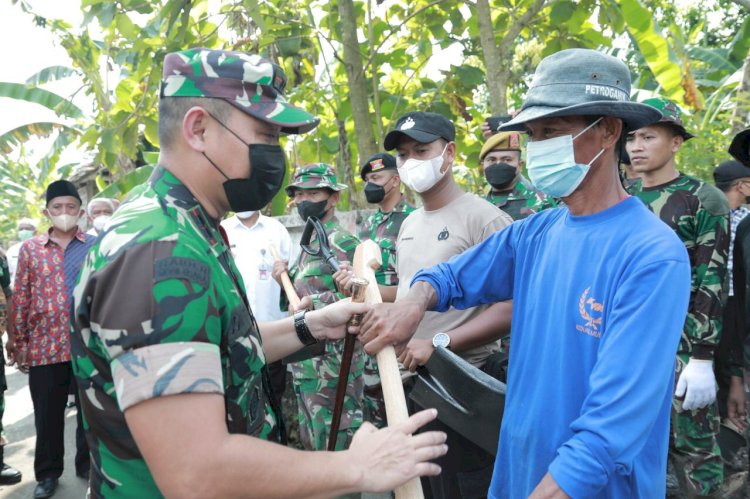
{"x": 634, "y": 114}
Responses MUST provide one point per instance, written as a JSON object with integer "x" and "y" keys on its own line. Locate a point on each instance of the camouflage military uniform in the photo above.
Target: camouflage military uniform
{"x": 521, "y": 202}
{"x": 315, "y": 379}
{"x": 160, "y": 309}
{"x": 699, "y": 214}
{"x": 383, "y": 229}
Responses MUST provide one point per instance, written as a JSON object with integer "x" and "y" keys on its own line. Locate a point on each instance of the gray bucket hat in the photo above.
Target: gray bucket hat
{"x": 582, "y": 82}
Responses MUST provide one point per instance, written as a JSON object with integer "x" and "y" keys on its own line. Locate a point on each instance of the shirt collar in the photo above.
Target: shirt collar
{"x": 80, "y": 235}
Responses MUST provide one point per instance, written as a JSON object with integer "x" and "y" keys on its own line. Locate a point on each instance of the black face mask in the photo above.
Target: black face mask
{"x": 307, "y": 209}
{"x": 374, "y": 193}
{"x": 500, "y": 175}
{"x": 267, "y": 168}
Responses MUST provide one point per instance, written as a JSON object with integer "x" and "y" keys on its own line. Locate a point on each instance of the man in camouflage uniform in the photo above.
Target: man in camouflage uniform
{"x": 8, "y": 475}
{"x": 170, "y": 360}
{"x": 501, "y": 163}
{"x": 699, "y": 214}
{"x": 382, "y": 187}
{"x": 315, "y": 191}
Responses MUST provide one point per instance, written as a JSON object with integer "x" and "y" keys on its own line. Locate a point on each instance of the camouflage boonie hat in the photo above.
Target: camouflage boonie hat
{"x": 503, "y": 141}
{"x": 247, "y": 81}
{"x": 671, "y": 114}
{"x": 314, "y": 176}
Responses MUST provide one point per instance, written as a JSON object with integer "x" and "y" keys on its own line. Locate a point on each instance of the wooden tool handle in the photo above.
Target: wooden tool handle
{"x": 286, "y": 283}
{"x": 367, "y": 257}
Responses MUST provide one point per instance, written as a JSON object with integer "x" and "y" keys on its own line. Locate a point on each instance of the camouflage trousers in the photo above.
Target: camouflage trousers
{"x": 314, "y": 382}
{"x": 693, "y": 446}
{"x": 374, "y": 405}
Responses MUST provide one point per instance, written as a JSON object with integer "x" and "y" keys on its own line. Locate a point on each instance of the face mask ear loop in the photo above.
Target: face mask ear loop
{"x": 214, "y": 165}
{"x": 588, "y": 128}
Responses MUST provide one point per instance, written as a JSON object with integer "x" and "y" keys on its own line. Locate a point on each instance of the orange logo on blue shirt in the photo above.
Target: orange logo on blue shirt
{"x": 591, "y": 312}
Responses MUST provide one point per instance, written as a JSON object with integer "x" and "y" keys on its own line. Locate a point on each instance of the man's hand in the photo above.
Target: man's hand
{"x": 279, "y": 267}
{"x": 305, "y": 303}
{"x": 16, "y": 356}
{"x": 416, "y": 353}
{"x": 548, "y": 489}
{"x": 343, "y": 278}
{"x": 736, "y": 404}
{"x": 486, "y": 132}
{"x": 329, "y": 323}
{"x": 390, "y": 324}
{"x": 697, "y": 384}
{"x": 392, "y": 456}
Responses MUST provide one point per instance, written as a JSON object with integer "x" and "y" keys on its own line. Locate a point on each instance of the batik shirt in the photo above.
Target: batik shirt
{"x": 161, "y": 310}
{"x": 383, "y": 228}
{"x": 521, "y": 202}
{"x": 699, "y": 215}
{"x": 45, "y": 277}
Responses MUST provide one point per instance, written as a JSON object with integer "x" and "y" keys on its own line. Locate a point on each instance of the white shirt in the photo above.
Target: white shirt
{"x": 249, "y": 247}
{"x": 12, "y": 255}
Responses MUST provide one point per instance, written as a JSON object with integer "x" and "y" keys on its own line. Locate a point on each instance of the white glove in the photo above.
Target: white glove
{"x": 697, "y": 379}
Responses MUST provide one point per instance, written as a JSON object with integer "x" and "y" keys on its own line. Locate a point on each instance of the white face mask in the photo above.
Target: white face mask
{"x": 421, "y": 175}
{"x": 100, "y": 221}
{"x": 244, "y": 215}
{"x": 64, "y": 222}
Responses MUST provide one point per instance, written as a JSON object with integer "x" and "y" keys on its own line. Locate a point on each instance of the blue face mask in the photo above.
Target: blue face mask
{"x": 552, "y": 166}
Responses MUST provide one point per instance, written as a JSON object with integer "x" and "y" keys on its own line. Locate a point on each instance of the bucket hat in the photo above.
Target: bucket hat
{"x": 314, "y": 176}
{"x": 671, "y": 114}
{"x": 582, "y": 82}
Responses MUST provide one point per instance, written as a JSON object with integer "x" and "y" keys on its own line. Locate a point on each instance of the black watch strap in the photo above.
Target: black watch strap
{"x": 303, "y": 332}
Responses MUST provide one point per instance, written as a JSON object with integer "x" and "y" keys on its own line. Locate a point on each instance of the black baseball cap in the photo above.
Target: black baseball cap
{"x": 729, "y": 171}
{"x": 421, "y": 126}
{"x": 740, "y": 148}
{"x": 378, "y": 162}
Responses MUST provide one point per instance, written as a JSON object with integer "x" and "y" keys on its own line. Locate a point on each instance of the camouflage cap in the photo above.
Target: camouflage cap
{"x": 247, "y": 81}
{"x": 314, "y": 176}
{"x": 671, "y": 114}
{"x": 503, "y": 141}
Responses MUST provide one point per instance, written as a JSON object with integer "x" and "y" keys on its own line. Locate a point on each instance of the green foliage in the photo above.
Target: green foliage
{"x": 118, "y": 50}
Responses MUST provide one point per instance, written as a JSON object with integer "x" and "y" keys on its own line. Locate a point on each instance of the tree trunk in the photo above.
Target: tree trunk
{"x": 498, "y": 57}
{"x": 491, "y": 58}
{"x": 366, "y": 145}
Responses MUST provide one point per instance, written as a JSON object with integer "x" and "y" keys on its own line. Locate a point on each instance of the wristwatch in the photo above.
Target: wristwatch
{"x": 303, "y": 332}
{"x": 441, "y": 340}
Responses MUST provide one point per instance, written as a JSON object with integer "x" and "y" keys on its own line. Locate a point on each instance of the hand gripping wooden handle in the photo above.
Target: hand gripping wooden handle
{"x": 286, "y": 283}
{"x": 367, "y": 258}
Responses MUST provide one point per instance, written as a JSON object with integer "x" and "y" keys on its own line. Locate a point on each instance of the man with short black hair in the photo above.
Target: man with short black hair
{"x": 170, "y": 358}
{"x": 597, "y": 313}
{"x": 48, "y": 267}
{"x": 449, "y": 222}
{"x": 501, "y": 162}
{"x": 699, "y": 214}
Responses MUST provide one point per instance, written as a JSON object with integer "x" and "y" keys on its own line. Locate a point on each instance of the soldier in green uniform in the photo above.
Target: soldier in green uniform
{"x": 501, "y": 163}
{"x": 315, "y": 191}
{"x": 170, "y": 361}
{"x": 382, "y": 187}
{"x": 699, "y": 214}
{"x": 8, "y": 475}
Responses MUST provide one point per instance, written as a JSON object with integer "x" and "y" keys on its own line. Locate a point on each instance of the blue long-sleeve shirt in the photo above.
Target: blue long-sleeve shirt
{"x": 598, "y": 306}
